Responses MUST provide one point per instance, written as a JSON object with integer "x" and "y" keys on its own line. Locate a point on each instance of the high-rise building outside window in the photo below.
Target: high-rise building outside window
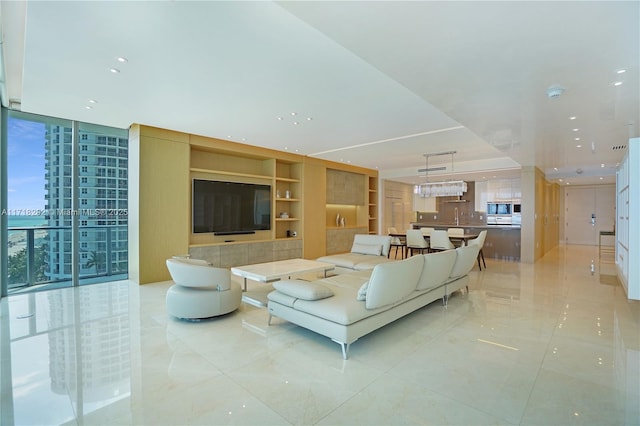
{"x": 40, "y": 199}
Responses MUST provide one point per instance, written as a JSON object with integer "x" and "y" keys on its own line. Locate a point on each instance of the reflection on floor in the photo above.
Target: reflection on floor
{"x": 556, "y": 342}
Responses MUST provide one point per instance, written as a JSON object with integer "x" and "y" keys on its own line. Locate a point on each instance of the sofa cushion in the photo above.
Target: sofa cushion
{"x": 436, "y": 269}
{"x": 373, "y": 249}
{"x": 383, "y": 240}
{"x": 391, "y": 282}
{"x": 362, "y": 292}
{"x": 465, "y": 259}
{"x": 303, "y": 289}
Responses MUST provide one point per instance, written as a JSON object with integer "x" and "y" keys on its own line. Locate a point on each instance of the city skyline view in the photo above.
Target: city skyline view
{"x": 43, "y": 198}
{"x": 26, "y": 167}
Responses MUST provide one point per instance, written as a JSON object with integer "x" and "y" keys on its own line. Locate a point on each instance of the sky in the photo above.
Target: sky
{"x": 25, "y": 163}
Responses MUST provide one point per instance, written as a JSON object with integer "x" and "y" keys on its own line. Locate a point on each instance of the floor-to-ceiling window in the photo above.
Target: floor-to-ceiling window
{"x": 66, "y": 204}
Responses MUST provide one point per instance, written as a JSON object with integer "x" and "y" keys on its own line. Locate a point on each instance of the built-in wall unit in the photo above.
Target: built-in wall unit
{"x": 351, "y": 208}
{"x": 628, "y": 220}
{"x": 235, "y": 204}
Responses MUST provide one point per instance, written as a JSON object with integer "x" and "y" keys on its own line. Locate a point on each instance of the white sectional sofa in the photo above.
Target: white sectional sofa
{"x": 366, "y": 252}
{"x": 348, "y": 306}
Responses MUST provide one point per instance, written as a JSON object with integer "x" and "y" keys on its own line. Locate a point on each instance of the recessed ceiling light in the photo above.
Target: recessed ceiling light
{"x": 295, "y": 123}
{"x": 560, "y": 180}
{"x": 122, "y": 59}
{"x": 578, "y": 146}
{"x": 309, "y": 118}
{"x": 577, "y": 139}
{"x": 294, "y": 113}
{"x": 88, "y": 107}
{"x": 617, "y": 83}
{"x": 114, "y": 70}
{"x": 573, "y": 117}
{"x": 93, "y": 101}
{"x": 575, "y": 130}
{"x": 601, "y": 178}
{"x": 555, "y": 168}
{"x": 621, "y": 71}
{"x": 602, "y": 165}
{"x": 280, "y": 118}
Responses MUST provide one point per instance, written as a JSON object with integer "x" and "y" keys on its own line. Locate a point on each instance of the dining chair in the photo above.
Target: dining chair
{"x": 416, "y": 241}
{"x": 456, "y": 232}
{"x": 479, "y": 241}
{"x": 439, "y": 241}
{"x": 426, "y": 231}
{"x": 397, "y": 242}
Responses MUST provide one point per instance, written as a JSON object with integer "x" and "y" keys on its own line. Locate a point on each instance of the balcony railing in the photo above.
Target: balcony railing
{"x": 35, "y": 254}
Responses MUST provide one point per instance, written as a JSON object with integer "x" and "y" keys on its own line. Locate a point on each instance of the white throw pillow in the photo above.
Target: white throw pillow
{"x": 303, "y": 289}
{"x": 373, "y": 249}
{"x": 362, "y": 292}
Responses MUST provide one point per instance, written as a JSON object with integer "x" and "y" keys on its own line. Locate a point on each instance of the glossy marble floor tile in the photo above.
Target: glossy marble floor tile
{"x": 553, "y": 343}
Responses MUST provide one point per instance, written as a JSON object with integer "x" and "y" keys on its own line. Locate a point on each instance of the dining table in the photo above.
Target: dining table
{"x": 457, "y": 240}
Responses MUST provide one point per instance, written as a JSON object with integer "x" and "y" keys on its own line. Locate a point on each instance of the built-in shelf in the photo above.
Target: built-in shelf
{"x": 281, "y": 179}
{"x": 228, "y": 173}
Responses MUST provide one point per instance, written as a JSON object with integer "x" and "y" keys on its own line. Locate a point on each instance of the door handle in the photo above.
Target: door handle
{"x": 593, "y": 219}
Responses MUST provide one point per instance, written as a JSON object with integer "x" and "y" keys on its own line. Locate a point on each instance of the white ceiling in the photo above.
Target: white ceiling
{"x": 383, "y": 82}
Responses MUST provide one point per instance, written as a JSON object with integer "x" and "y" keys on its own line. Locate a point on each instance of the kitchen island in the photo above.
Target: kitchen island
{"x": 502, "y": 242}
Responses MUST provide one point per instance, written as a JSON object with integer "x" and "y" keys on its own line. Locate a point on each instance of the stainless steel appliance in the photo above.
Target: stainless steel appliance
{"x": 499, "y": 213}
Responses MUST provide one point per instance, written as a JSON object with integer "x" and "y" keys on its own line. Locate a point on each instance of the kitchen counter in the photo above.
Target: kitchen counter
{"x": 502, "y": 242}
{"x": 416, "y": 225}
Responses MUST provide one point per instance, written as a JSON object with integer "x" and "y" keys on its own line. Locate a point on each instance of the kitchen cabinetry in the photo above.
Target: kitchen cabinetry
{"x": 497, "y": 190}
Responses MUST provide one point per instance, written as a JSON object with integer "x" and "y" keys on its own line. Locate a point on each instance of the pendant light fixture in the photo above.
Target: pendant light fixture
{"x": 442, "y": 188}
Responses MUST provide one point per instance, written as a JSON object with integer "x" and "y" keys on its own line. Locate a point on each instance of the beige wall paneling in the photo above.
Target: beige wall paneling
{"x": 540, "y": 215}
{"x": 397, "y": 210}
{"x": 314, "y": 208}
{"x": 529, "y": 217}
{"x": 345, "y": 187}
{"x": 159, "y": 203}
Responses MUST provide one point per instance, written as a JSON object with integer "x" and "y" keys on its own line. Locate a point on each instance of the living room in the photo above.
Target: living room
{"x": 303, "y": 97}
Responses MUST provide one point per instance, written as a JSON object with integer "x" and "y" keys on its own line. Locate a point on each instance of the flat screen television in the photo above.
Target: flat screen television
{"x": 227, "y": 208}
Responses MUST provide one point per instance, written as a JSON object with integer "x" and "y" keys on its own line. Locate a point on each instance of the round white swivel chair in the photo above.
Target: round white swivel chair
{"x": 200, "y": 290}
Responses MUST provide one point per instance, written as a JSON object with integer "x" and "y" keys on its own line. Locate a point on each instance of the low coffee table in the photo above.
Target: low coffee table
{"x": 274, "y": 271}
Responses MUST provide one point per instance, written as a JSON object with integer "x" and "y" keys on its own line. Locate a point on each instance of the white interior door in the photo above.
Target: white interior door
{"x": 588, "y": 210}
{"x": 605, "y": 209}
